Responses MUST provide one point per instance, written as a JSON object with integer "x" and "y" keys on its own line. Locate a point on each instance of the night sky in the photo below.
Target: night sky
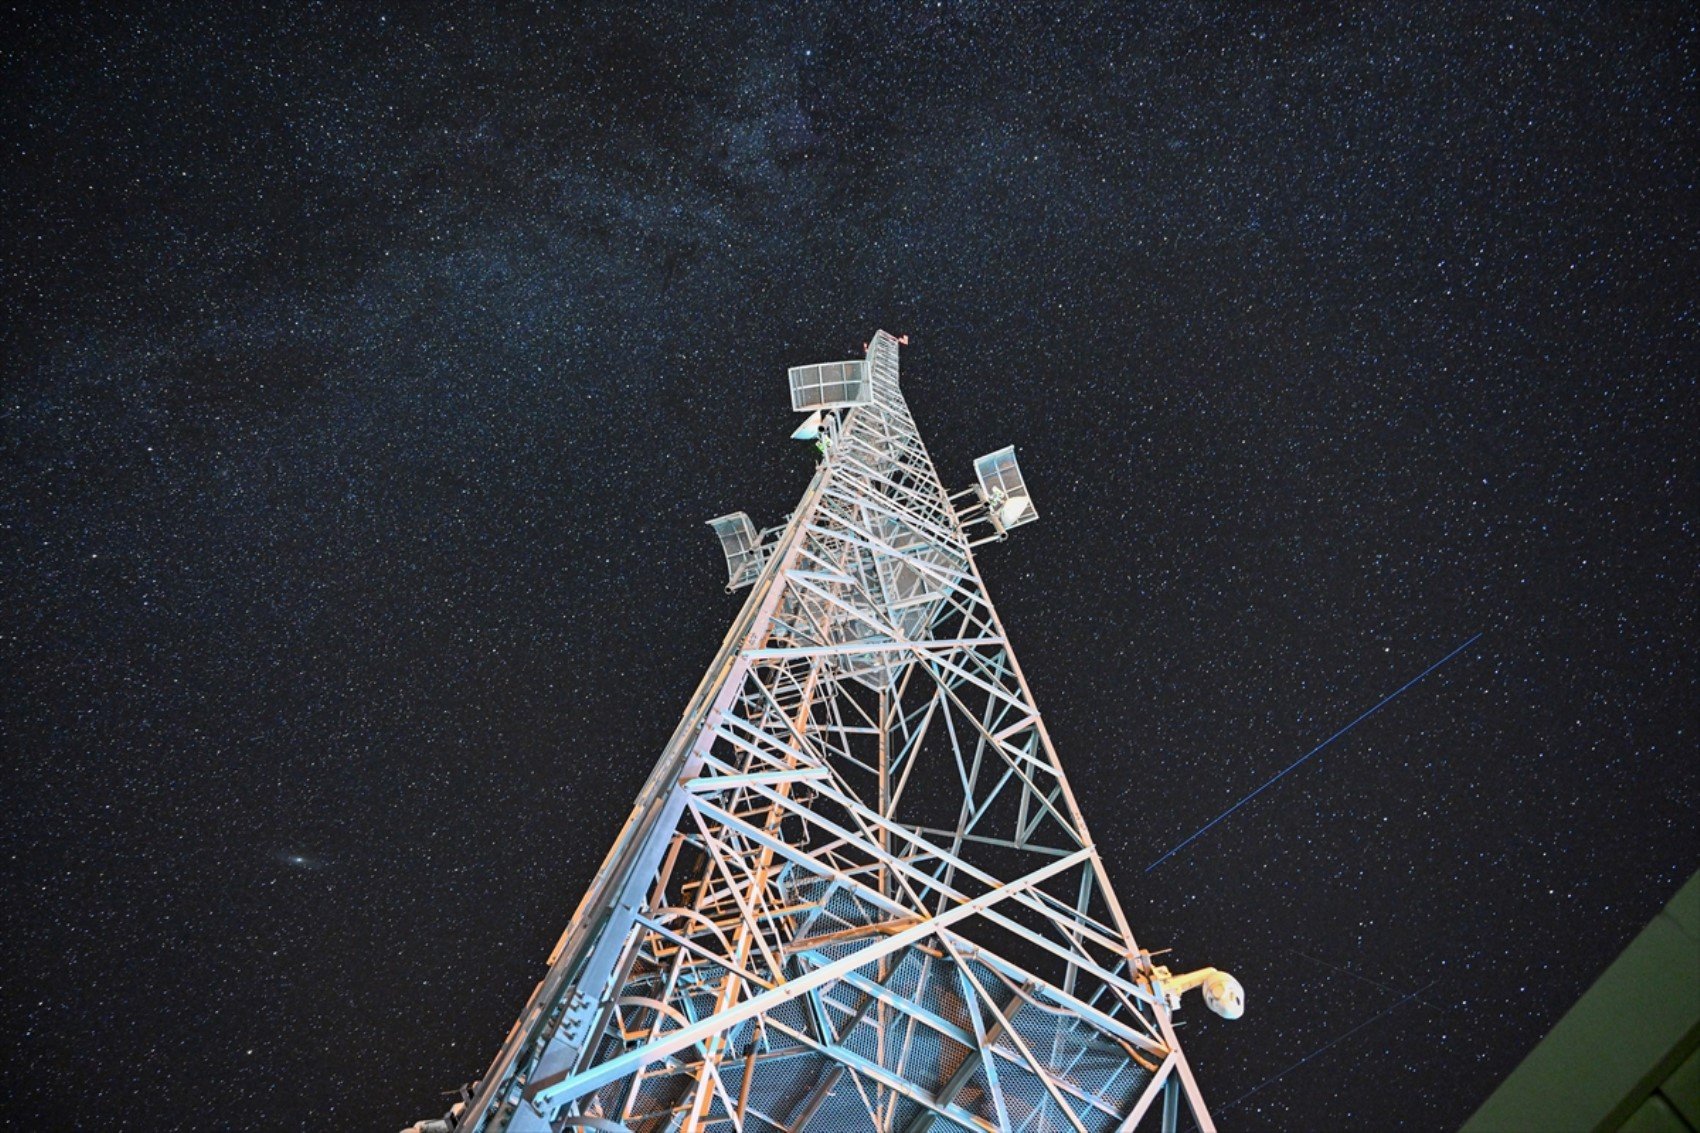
{"x": 369, "y": 372}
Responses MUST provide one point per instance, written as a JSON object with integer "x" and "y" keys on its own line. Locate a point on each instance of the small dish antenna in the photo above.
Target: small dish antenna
{"x": 1004, "y": 490}
{"x": 809, "y": 430}
{"x": 1222, "y": 992}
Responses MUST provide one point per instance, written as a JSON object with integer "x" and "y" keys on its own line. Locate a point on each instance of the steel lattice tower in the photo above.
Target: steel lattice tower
{"x": 856, "y": 892}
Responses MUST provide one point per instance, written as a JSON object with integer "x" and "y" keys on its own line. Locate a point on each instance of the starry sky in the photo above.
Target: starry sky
{"x": 369, "y": 370}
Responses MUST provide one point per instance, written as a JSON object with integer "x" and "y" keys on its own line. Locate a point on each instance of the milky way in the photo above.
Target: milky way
{"x": 369, "y": 373}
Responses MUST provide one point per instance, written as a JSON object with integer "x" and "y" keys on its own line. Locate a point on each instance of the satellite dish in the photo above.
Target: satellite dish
{"x": 1222, "y": 992}
{"x": 1003, "y": 490}
{"x": 1224, "y": 995}
{"x": 1011, "y": 512}
{"x": 809, "y": 430}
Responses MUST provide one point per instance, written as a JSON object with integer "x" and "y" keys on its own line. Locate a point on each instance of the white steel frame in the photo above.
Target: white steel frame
{"x": 856, "y": 891}
{"x": 829, "y": 385}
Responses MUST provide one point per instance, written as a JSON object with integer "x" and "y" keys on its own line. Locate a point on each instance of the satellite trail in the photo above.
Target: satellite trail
{"x": 1388, "y": 699}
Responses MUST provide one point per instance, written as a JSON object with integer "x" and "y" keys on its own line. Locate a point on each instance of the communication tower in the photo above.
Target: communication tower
{"x": 856, "y": 892}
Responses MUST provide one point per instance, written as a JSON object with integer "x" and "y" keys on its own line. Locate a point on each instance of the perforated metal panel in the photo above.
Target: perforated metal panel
{"x": 829, "y": 385}
{"x": 1004, "y": 489}
{"x": 739, "y": 540}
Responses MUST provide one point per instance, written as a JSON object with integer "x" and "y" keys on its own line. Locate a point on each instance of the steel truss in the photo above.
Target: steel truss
{"x": 857, "y": 891}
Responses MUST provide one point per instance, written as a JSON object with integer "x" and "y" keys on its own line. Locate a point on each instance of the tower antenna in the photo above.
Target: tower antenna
{"x": 857, "y": 891}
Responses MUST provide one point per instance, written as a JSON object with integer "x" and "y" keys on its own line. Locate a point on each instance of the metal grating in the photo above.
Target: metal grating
{"x": 829, "y": 385}
{"x": 738, "y": 539}
{"x": 1004, "y": 489}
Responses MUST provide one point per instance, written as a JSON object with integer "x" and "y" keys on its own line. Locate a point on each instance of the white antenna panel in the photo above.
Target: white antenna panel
{"x": 1003, "y": 489}
{"x": 829, "y": 385}
{"x": 809, "y": 430}
{"x": 739, "y": 540}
